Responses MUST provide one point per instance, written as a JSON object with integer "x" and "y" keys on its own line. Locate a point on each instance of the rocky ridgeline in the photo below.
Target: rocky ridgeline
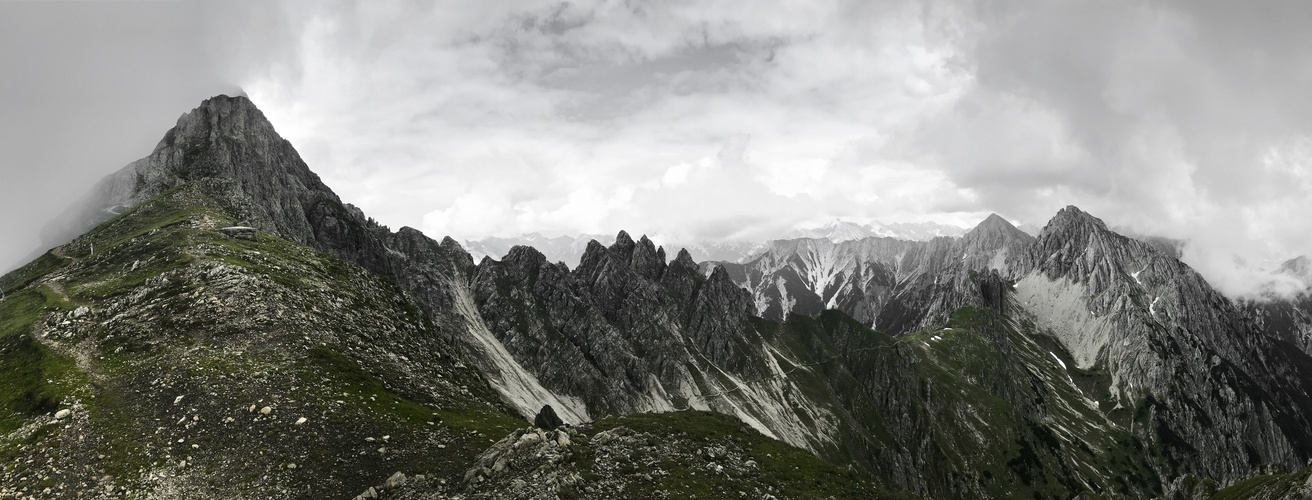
{"x": 621, "y": 330}
{"x": 1078, "y": 362}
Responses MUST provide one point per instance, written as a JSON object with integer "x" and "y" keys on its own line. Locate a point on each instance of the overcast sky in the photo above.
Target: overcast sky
{"x": 701, "y": 120}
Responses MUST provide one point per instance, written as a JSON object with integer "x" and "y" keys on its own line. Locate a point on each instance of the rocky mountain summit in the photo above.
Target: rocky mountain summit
{"x": 322, "y": 354}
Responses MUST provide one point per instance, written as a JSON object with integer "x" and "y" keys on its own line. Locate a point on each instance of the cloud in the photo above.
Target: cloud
{"x": 566, "y": 111}
{"x": 88, "y": 87}
{"x": 734, "y": 119}
{"x": 1186, "y": 119}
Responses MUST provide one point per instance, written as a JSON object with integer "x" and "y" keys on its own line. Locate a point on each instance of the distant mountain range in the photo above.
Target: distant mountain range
{"x": 164, "y": 353}
{"x": 569, "y": 249}
{"x": 840, "y": 231}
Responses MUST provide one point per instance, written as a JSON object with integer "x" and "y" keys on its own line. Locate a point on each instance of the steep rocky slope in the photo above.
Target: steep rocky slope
{"x": 625, "y": 333}
{"x": 1164, "y": 336}
{"x": 180, "y": 362}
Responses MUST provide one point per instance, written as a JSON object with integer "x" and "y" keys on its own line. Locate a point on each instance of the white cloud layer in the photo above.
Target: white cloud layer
{"x": 741, "y": 120}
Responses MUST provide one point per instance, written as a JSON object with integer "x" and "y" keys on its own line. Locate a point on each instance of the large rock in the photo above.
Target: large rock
{"x": 547, "y": 419}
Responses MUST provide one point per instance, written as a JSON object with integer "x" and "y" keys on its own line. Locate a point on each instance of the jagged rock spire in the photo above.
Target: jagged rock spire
{"x": 646, "y": 261}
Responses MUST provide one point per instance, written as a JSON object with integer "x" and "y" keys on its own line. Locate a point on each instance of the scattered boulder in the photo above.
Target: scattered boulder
{"x": 397, "y": 479}
{"x": 300, "y": 421}
{"x": 547, "y": 419}
{"x": 266, "y": 410}
{"x": 528, "y": 439}
{"x": 62, "y": 414}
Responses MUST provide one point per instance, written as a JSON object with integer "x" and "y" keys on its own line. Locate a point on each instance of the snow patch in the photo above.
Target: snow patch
{"x": 1059, "y": 361}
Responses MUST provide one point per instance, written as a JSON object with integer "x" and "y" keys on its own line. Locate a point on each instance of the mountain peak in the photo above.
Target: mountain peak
{"x": 218, "y": 116}
{"x": 623, "y": 239}
{"x": 1298, "y": 267}
{"x": 995, "y": 227}
{"x": 1071, "y": 218}
{"x": 993, "y": 222}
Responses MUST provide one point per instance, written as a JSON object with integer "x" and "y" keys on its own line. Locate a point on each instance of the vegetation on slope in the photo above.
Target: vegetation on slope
{"x": 983, "y": 407}
{"x": 186, "y": 360}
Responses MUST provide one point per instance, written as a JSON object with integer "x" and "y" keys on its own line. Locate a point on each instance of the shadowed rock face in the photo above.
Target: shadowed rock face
{"x": 625, "y": 332}
{"x": 1026, "y": 358}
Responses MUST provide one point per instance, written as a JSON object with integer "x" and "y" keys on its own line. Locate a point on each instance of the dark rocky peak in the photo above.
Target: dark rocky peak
{"x": 719, "y": 277}
{"x": 646, "y": 261}
{"x": 450, "y": 245}
{"x": 684, "y": 260}
{"x": 594, "y": 257}
{"x": 623, "y": 247}
{"x": 1077, "y": 241}
{"x": 417, "y": 247}
{"x": 230, "y": 137}
{"x": 216, "y": 117}
{"x": 524, "y": 256}
{"x": 1071, "y": 219}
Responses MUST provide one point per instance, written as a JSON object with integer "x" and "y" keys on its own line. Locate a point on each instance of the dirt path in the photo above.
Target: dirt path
{"x": 58, "y": 288}
{"x": 59, "y": 252}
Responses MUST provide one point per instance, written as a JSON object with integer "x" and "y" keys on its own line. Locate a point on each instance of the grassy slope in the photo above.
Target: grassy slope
{"x": 1269, "y": 487}
{"x": 790, "y": 471}
{"x": 177, "y": 309}
{"x": 970, "y": 392}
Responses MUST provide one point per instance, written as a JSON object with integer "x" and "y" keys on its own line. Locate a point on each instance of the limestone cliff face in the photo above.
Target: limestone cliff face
{"x": 626, "y": 333}
{"x": 1206, "y": 373}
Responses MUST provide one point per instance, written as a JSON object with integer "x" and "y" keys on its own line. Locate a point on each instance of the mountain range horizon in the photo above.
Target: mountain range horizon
{"x": 325, "y": 353}
{"x": 1237, "y": 277}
